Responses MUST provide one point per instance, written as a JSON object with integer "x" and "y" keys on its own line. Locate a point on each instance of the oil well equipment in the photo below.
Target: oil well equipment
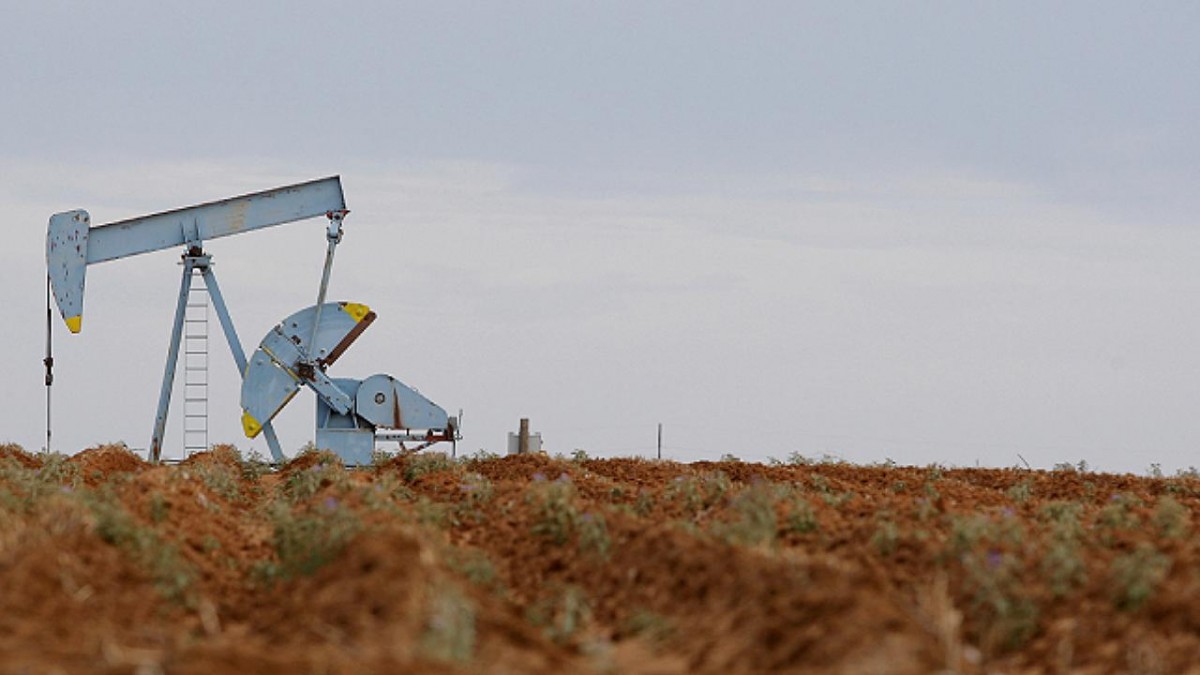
{"x": 351, "y": 414}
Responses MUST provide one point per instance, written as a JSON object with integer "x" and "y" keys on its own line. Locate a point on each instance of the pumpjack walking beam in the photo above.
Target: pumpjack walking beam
{"x": 72, "y": 245}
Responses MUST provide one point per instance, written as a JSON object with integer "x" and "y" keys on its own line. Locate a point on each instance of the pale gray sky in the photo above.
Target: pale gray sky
{"x": 928, "y": 232}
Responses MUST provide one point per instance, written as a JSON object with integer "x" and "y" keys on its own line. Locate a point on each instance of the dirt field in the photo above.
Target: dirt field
{"x": 533, "y": 564}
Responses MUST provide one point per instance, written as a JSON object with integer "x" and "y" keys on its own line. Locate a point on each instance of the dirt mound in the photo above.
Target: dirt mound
{"x": 98, "y": 464}
{"x": 75, "y": 600}
{"x": 307, "y": 460}
{"x": 219, "y": 455}
{"x": 519, "y": 467}
{"x": 639, "y": 472}
{"x": 17, "y": 454}
{"x": 391, "y": 602}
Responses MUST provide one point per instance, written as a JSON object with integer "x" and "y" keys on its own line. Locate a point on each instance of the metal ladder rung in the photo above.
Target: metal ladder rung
{"x": 195, "y": 369}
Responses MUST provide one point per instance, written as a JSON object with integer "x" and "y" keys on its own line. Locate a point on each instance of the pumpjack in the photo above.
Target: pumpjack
{"x": 351, "y": 415}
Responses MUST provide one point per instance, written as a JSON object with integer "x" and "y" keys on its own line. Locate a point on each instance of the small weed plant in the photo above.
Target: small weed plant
{"x": 1021, "y": 492}
{"x": 1171, "y": 519}
{"x": 800, "y": 517}
{"x": 754, "y": 521}
{"x": 563, "y": 613}
{"x": 450, "y": 632}
{"x": 1137, "y": 575}
{"x": 557, "y": 517}
{"x": 426, "y": 463}
{"x": 305, "y": 541}
{"x": 886, "y": 538}
{"x": 698, "y": 493}
{"x": 173, "y": 576}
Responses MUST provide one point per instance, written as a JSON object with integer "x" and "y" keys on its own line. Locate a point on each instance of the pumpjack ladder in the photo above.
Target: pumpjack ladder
{"x": 195, "y": 368}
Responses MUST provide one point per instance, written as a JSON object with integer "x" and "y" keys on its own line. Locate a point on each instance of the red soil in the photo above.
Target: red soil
{"x": 531, "y": 564}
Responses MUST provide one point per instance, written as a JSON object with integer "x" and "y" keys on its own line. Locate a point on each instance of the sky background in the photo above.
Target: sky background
{"x": 947, "y": 232}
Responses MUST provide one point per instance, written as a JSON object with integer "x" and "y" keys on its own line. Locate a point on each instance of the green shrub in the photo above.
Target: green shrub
{"x": 593, "y": 535}
{"x": 1063, "y": 567}
{"x": 827, "y": 493}
{"x": 383, "y": 493}
{"x": 473, "y": 565}
{"x": 450, "y": 631}
{"x": 1117, "y": 515}
{"x": 172, "y": 575}
{"x": 754, "y": 521}
{"x": 1171, "y": 519}
{"x": 562, "y": 613}
{"x": 254, "y": 467}
{"x": 421, "y": 464}
{"x": 434, "y": 514}
{"x": 1021, "y": 492}
{"x": 304, "y": 484}
{"x": 307, "y": 541}
{"x": 800, "y": 518}
{"x": 644, "y": 504}
{"x": 554, "y": 509}
{"x": 22, "y": 488}
{"x": 648, "y": 625}
{"x": 1137, "y": 575}
{"x": 220, "y": 478}
{"x": 886, "y": 538}
{"x": 159, "y": 508}
{"x": 697, "y": 493}
{"x": 1006, "y": 614}
{"x": 57, "y": 469}
{"x": 797, "y": 459}
{"x": 476, "y": 491}
{"x": 557, "y": 517}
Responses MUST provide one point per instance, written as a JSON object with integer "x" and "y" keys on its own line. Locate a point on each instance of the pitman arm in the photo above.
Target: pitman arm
{"x": 72, "y": 245}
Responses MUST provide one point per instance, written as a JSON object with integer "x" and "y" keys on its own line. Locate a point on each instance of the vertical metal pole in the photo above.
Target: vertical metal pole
{"x": 660, "y": 440}
{"x": 48, "y": 361}
{"x": 523, "y": 437}
{"x": 164, "y": 396}
{"x": 235, "y": 346}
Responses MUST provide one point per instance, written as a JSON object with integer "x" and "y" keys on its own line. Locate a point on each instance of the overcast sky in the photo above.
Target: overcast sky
{"x": 927, "y": 232}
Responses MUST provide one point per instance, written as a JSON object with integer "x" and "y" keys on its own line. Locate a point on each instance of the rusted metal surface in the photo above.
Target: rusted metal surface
{"x": 341, "y": 347}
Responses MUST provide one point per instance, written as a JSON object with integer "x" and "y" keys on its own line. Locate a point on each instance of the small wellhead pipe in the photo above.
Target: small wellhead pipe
{"x": 523, "y": 437}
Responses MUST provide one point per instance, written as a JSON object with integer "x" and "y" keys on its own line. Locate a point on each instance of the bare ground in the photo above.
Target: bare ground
{"x": 532, "y": 564}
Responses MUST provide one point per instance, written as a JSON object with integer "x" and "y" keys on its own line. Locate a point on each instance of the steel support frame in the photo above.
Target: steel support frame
{"x": 196, "y": 259}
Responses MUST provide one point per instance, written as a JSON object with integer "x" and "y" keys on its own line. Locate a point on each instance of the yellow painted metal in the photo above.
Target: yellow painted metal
{"x": 251, "y": 426}
{"x": 356, "y": 310}
{"x": 74, "y": 323}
